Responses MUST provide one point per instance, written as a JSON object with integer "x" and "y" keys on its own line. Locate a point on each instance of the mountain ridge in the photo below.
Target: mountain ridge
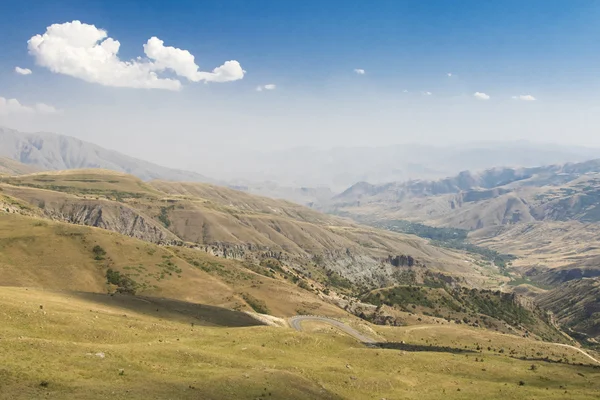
{"x": 52, "y": 151}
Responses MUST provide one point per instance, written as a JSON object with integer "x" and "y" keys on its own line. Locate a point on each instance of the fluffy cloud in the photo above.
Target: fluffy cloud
{"x": 269, "y": 86}
{"x": 524, "y": 97}
{"x": 481, "y": 96}
{"x": 359, "y": 71}
{"x": 86, "y": 52}
{"x": 23, "y": 71}
{"x": 13, "y": 106}
{"x": 449, "y": 74}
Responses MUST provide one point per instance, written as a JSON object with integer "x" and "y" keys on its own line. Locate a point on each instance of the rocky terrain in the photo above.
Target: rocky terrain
{"x": 546, "y": 218}
{"x": 231, "y": 224}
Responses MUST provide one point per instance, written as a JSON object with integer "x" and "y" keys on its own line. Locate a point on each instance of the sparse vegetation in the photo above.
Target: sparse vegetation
{"x": 99, "y": 253}
{"x": 163, "y": 217}
{"x": 123, "y": 282}
{"x": 257, "y": 305}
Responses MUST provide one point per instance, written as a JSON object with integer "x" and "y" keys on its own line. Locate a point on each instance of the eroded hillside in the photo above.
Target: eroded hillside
{"x": 230, "y": 224}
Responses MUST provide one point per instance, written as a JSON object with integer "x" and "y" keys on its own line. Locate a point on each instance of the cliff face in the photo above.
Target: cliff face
{"x": 117, "y": 218}
{"x": 109, "y": 215}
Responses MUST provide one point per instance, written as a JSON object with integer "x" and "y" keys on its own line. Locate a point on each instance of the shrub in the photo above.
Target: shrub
{"x": 99, "y": 253}
{"x": 123, "y": 282}
{"x": 257, "y": 305}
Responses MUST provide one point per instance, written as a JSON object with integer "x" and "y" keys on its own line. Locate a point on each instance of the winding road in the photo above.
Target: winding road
{"x": 578, "y": 349}
{"x": 296, "y": 323}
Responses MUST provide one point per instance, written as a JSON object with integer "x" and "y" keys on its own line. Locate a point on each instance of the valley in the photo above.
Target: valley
{"x": 539, "y": 226}
{"x": 189, "y": 262}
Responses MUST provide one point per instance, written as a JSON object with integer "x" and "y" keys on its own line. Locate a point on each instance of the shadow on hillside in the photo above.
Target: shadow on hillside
{"x": 176, "y": 310}
{"x": 419, "y": 347}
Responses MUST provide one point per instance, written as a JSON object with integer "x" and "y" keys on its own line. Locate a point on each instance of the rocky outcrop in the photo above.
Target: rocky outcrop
{"x": 112, "y": 217}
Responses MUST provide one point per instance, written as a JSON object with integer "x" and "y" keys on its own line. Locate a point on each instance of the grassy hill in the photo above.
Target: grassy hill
{"x": 228, "y": 223}
{"x": 494, "y": 310}
{"x": 68, "y": 345}
{"x": 110, "y": 286}
{"x": 54, "y": 255}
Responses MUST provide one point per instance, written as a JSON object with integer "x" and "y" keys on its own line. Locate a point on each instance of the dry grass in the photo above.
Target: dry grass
{"x": 207, "y": 214}
{"x": 163, "y": 356}
{"x": 52, "y": 255}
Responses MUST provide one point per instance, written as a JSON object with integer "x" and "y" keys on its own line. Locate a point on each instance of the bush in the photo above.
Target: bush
{"x": 99, "y": 253}
{"x": 123, "y": 282}
{"x": 303, "y": 285}
{"x": 257, "y": 305}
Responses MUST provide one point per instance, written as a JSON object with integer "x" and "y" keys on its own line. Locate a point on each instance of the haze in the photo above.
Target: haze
{"x": 430, "y": 74}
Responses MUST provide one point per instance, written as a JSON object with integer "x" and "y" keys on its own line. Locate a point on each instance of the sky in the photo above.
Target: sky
{"x": 184, "y": 83}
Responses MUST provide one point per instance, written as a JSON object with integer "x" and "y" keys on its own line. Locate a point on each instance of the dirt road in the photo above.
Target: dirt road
{"x": 296, "y": 323}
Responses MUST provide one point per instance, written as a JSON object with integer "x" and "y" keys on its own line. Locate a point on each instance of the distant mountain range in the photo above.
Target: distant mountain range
{"x": 547, "y": 218}
{"x": 311, "y": 176}
{"x": 339, "y": 168}
{"x": 50, "y": 151}
{"x": 498, "y": 196}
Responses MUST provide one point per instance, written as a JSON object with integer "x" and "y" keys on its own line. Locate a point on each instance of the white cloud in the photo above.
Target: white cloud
{"x": 481, "y": 96}
{"x": 269, "y": 86}
{"x": 83, "y": 51}
{"x": 182, "y": 62}
{"x": 449, "y": 74}
{"x": 23, "y": 71}
{"x": 405, "y": 91}
{"x": 13, "y": 106}
{"x": 524, "y": 97}
{"x": 46, "y": 109}
{"x": 359, "y": 71}
{"x": 427, "y": 93}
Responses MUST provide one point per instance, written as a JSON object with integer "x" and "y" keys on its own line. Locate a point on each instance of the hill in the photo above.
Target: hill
{"x": 576, "y": 306}
{"x": 35, "y": 252}
{"x": 517, "y": 211}
{"x": 114, "y": 286}
{"x": 50, "y": 151}
{"x": 546, "y": 218}
{"x": 9, "y": 166}
{"x": 493, "y": 197}
{"x": 231, "y": 224}
{"x": 76, "y": 345}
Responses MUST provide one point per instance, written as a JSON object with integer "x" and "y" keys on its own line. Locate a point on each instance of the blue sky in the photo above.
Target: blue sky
{"x": 309, "y": 50}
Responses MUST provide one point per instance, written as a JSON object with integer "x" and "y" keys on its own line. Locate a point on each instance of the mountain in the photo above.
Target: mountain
{"x": 50, "y": 151}
{"x": 126, "y": 281}
{"x": 340, "y": 167}
{"x": 546, "y": 218}
{"x": 472, "y": 201}
{"x": 229, "y": 223}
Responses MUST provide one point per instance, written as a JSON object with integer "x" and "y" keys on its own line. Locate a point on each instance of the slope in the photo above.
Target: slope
{"x": 90, "y": 347}
{"x": 50, "y": 151}
{"x": 9, "y": 166}
{"x": 576, "y": 306}
{"x": 36, "y": 252}
{"x": 230, "y": 224}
